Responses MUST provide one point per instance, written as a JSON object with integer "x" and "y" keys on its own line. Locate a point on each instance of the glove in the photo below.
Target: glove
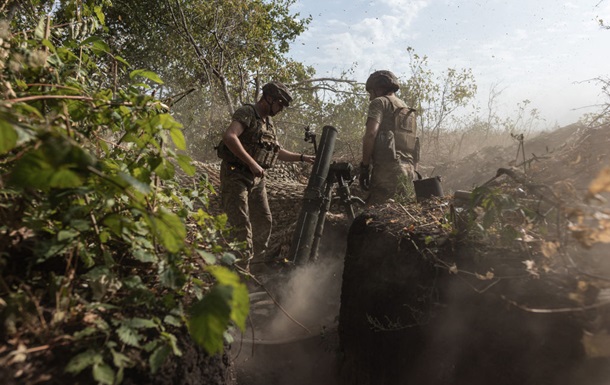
{"x": 364, "y": 178}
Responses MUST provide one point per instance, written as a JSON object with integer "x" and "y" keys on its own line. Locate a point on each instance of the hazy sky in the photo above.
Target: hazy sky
{"x": 541, "y": 50}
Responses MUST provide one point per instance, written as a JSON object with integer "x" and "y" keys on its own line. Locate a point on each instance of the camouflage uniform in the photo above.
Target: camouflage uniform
{"x": 244, "y": 196}
{"x": 390, "y": 178}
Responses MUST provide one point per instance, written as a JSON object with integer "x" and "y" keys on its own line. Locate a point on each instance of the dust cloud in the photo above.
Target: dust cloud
{"x": 296, "y": 342}
{"x": 311, "y": 297}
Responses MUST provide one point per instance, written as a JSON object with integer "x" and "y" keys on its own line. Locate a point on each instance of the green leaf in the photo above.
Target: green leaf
{"x": 26, "y": 108}
{"x": 173, "y": 343}
{"x": 120, "y": 360}
{"x": 8, "y": 137}
{"x": 97, "y": 43}
{"x": 120, "y": 59}
{"x": 103, "y": 374}
{"x": 172, "y": 277}
{"x": 86, "y": 332}
{"x": 240, "y": 301}
{"x": 135, "y": 183}
{"x": 178, "y": 138}
{"x": 100, "y": 14}
{"x": 228, "y": 258}
{"x": 227, "y": 301}
{"x": 41, "y": 28}
{"x": 64, "y": 178}
{"x": 146, "y": 74}
{"x": 116, "y": 223}
{"x": 210, "y": 318}
{"x": 158, "y": 357}
{"x": 67, "y": 234}
{"x": 208, "y": 258}
{"x": 100, "y": 47}
{"x": 172, "y": 320}
{"x": 82, "y": 361}
{"x": 140, "y": 323}
{"x": 165, "y": 170}
{"x": 169, "y": 229}
{"x": 144, "y": 255}
{"x": 49, "y": 45}
{"x": 185, "y": 163}
{"x": 128, "y": 336}
{"x": 32, "y": 170}
{"x": 80, "y": 225}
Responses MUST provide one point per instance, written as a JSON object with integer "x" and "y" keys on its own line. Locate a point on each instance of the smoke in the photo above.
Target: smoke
{"x": 311, "y": 297}
{"x": 292, "y": 338}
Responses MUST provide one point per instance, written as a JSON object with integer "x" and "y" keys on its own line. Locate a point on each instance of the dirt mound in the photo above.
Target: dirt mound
{"x": 416, "y": 310}
{"x": 573, "y": 154}
{"x": 505, "y": 284}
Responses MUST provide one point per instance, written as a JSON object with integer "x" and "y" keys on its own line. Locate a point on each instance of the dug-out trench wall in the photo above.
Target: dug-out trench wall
{"x": 410, "y": 314}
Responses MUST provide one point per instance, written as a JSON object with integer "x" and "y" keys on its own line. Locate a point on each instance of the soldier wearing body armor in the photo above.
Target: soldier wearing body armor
{"x": 249, "y": 146}
{"x": 389, "y": 146}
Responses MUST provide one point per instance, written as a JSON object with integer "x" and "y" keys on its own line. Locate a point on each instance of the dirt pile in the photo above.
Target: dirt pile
{"x": 572, "y": 154}
{"x": 497, "y": 287}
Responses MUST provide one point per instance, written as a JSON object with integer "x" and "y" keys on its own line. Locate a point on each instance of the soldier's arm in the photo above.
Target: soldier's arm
{"x": 289, "y": 156}
{"x": 368, "y": 140}
{"x": 231, "y": 140}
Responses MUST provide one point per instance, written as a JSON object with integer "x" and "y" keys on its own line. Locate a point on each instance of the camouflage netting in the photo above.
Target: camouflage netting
{"x": 285, "y": 185}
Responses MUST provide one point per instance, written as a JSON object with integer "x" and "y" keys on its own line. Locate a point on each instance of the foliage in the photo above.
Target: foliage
{"x": 215, "y": 54}
{"x": 512, "y": 211}
{"x": 436, "y": 96}
{"x": 94, "y": 246}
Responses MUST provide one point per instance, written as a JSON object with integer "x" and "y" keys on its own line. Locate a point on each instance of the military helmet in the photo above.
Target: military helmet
{"x": 382, "y": 79}
{"x": 279, "y": 91}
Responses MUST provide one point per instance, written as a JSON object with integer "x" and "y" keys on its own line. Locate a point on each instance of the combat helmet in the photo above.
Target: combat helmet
{"x": 383, "y": 79}
{"x": 279, "y": 91}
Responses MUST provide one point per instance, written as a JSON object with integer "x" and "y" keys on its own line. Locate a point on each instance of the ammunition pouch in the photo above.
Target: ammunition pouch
{"x": 384, "y": 149}
{"x": 223, "y": 152}
{"x": 264, "y": 153}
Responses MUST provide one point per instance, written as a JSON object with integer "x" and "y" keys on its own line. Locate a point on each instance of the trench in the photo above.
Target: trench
{"x": 378, "y": 310}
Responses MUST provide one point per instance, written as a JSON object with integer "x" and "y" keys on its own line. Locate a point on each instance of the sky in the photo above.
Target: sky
{"x": 545, "y": 51}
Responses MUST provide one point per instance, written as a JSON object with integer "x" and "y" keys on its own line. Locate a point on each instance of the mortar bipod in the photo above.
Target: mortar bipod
{"x": 341, "y": 174}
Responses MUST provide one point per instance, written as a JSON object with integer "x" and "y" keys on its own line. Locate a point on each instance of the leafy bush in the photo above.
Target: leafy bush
{"x": 100, "y": 247}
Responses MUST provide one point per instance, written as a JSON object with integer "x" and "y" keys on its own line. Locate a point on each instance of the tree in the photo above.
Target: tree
{"x": 436, "y": 96}
{"x": 220, "y": 51}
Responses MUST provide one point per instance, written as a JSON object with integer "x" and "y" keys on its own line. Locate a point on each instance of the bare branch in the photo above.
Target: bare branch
{"x": 200, "y": 56}
{"x": 335, "y": 80}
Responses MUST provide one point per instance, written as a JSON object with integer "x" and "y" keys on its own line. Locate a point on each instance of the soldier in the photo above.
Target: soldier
{"x": 389, "y": 143}
{"x": 249, "y": 146}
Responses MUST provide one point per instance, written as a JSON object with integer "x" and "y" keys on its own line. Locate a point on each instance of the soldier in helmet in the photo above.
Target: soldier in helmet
{"x": 249, "y": 146}
{"x": 389, "y": 152}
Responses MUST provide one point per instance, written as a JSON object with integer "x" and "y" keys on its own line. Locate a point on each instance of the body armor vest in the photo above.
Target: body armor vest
{"x": 259, "y": 141}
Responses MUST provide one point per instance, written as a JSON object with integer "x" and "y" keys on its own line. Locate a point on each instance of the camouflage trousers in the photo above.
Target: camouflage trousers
{"x": 244, "y": 200}
{"x": 391, "y": 180}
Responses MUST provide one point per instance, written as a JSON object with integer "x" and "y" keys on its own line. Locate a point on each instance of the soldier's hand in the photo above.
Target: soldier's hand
{"x": 364, "y": 178}
{"x": 308, "y": 158}
{"x": 257, "y": 170}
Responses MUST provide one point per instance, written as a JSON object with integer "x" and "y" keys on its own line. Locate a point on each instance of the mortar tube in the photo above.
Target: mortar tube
{"x": 324, "y": 207}
{"x": 313, "y": 198}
